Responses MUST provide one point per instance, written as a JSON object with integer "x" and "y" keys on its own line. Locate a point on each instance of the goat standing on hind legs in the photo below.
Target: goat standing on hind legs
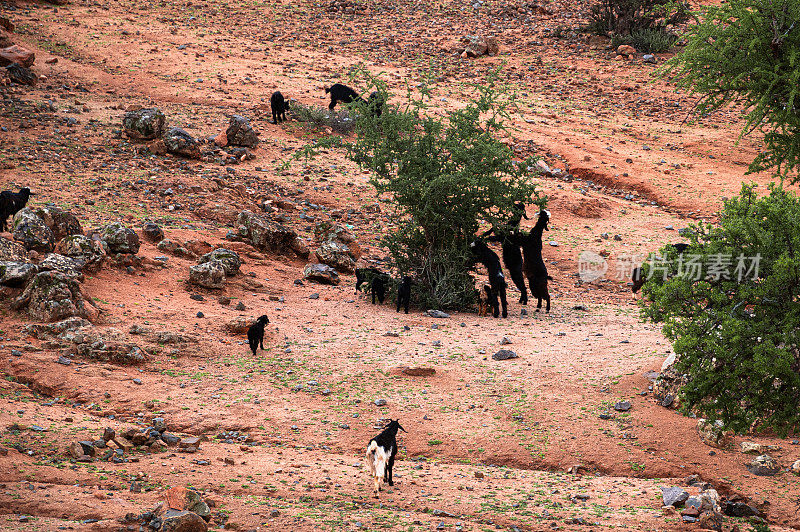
{"x": 380, "y": 455}
{"x": 534, "y": 266}
{"x": 511, "y": 241}
{"x": 491, "y": 261}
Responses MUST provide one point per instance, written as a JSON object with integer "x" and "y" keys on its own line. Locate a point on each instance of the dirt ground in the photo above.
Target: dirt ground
{"x": 489, "y": 445}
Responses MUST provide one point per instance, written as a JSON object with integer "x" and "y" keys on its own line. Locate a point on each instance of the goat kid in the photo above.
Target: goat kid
{"x": 11, "y": 203}
{"x": 279, "y": 107}
{"x": 381, "y": 451}
{"x": 497, "y": 281}
{"x": 404, "y": 293}
{"x": 255, "y": 334}
{"x": 533, "y": 266}
{"x": 486, "y": 300}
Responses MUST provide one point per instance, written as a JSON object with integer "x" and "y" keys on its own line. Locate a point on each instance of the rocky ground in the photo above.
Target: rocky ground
{"x": 157, "y": 352}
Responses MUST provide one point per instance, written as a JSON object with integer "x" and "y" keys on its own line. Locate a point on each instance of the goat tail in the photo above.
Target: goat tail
{"x": 377, "y": 459}
{"x": 370, "y": 457}
{"x": 549, "y": 278}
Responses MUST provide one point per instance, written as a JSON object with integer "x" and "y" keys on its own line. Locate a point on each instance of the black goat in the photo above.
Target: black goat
{"x": 638, "y": 275}
{"x": 381, "y": 451}
{"x": 534, "y": 267}
{"x": 365, "y": 276}
{"x": 11, "y": 203}
{"x": 378, "y": 288}
{"x": 279, "y": 107}
{"x": 497, "y": 281}
{"x": 512, "y": 256}
{"x": 342, "y": 93}
{"x": 404, "y": 293}
{"x": 255, "y": 334}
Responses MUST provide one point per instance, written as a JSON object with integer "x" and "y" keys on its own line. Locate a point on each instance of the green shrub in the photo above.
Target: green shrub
{"x": 320, "y": 117}
{"x": 738, "y": 338}
{"x": 748, "y": 52}
{"x": 649, "y": 41}
{"x": 444, "y": 177}
{"x": 623, "y": 17}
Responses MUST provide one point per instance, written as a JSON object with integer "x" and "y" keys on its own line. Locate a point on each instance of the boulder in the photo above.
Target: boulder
{"x": 238, "y": 325}
{"x": 16, "y": 273}
{"x": 667, "y": 387}
{"x": 81, "y": 248}
{"x": 795, "y": 468}
{"x": 17, "y": 54}
{"x": 336, "y": 255}
{"x": 152, "y": 232}
{"x": 321, "y": 273}
{"x": 120, "y": 239}
{"x": 264, "y": 234}
{"x": 184, "y": 521}
{"x": 764, "y": 466}
{"x": 174, "y": 248}
{"x": 222, "y": 213}
{"x": 182, "y": 143}
{"x": 673, "y": 496}
{"x": 626, "y": 50}
{"x": 60, "y": 222}
{"x": 144, "y": 124}
{"x": 32, "y": 232}
{"x": 241, "y": 133}
{"x": 51, "y": 296}
{"x": 208, "y": 275}
{"x": 714, "y": 434}
{"x": 504, "y": 354}
{"x": 476, "y": 46}
{"x": 180, "y": 498}
{"x": 12, "y": 251}
{"x": 19, "y": 74}
{"x": 230, "y": 260}
{"x": 748, "y": 447}
{"x": 60, "y": 263}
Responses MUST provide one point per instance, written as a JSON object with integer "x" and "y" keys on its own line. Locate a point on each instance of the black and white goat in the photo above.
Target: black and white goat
{"x": 534, "y": 267}
{"x": 255, "y": 334}
{"x": 11, "y": 203}
{"x": 497, "y": 281}
{"x": 381, "y": 451}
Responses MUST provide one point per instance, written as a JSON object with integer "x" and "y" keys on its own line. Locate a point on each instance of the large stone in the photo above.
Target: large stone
{"x": 714, "y": 434}
{"x": 120, "y": 239}
{"x": 208, "y": 275}
{"x": 336, "y": 255}
{"x": 183, "y": 521}
{"x": 16, "y": 273}
{"x": 241, "y": 133}
{"x": 674, "y": 496}
{"x": 321, "y": 273}
{"x": 179, "y": 498}
{"x": 220, "y": 212}
{"x": 17, "y": 54}
{"x": 52, "y": 296}
{"x": 152, "y": 232}
{"x": 230, "y": 260}
{"x": 82, "y": 248}
{"x": 764, "y": 466}
{"x": 32, "y": 232}
{"x": 12, "y": 251}
{"x": 175, "y": 248}
{"x": 668, "y": 384}
{"x": 20, "y": 74}
{"x": 749, "y": 447}
{"x": 182, "y": 143}
{"x": 476, "y": 46}
{"x": 144, "y": 124}
{"x": 265, "y": 234}
{"x": 795, "y": 468}
{"x": 62, "y": 223}
{"x": 60, "y": 263}
{"x": 238, "y": 325}
{"x": 504, "y": 354}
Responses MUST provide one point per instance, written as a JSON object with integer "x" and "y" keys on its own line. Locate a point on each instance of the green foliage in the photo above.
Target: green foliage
{"x": 444, "y": 176}
{"x": 649, "y": 41}
{"x": 748, "y": 52}
{"x": 320, "y": 117}
{"x": 624, "y": 17}
{"x": 737, "y": 339}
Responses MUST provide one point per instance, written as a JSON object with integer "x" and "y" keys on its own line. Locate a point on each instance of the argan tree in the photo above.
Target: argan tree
{"x": 731, "y": 306}
{"x": 748, "y": 52}
{"x": 444, "y": 177}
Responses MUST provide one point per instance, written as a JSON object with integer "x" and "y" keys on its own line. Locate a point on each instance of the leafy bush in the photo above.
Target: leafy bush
{"x": 737, "y": 336}
{"x": 748, "y": 52}
{"x": 320, "y": 117}
{"x": 445, "y": 177}
{"x": 649, "y": 41}
{"x": 623, "y": 17}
